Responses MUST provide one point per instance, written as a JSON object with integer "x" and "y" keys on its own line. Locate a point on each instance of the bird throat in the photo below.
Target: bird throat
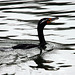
{"x": 41, "y": 35}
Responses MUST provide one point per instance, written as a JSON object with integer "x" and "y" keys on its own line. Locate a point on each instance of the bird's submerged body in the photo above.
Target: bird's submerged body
{"x": 25, "y": 46}
{"x": 48, "y": 46}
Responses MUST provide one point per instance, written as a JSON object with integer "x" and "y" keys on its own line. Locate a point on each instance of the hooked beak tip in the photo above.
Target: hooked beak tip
{"x": 55, "y": 18}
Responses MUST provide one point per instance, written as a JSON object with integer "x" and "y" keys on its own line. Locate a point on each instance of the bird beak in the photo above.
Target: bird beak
{"x": 52, "y": 19}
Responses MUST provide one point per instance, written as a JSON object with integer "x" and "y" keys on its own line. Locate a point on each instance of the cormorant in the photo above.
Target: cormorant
{"x": 41, "y": 24}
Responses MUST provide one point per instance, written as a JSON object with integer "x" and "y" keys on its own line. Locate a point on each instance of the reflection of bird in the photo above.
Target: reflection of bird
{"x": 41, "y": 24}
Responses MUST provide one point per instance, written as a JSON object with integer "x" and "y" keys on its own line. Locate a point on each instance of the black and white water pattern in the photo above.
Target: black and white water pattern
{"x": 18, "y": 25}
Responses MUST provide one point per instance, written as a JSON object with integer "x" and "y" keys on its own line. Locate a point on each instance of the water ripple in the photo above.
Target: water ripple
{"x": 26, "y": 14}
{"x": 57, "y": 3}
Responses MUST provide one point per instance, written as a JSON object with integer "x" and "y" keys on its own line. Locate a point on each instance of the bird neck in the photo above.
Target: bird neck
{"x": 41, "y": 35}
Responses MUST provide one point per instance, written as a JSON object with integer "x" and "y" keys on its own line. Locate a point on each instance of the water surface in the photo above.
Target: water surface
{"x": 18, "y": 24}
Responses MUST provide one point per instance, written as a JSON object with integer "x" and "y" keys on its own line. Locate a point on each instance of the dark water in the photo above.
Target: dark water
{"x": 19, "y": 18}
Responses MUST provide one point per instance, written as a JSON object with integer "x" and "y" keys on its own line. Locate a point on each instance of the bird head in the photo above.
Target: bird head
{"x": 45, "y": 21}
